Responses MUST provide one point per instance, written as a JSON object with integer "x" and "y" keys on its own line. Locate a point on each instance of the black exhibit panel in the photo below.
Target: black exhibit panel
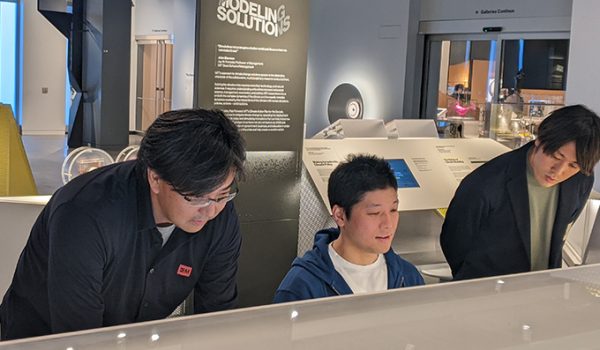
{"x": 106, "y": 55}
{"x": 251, "y": 63}
{"x": 99, "y": 40}
{"x": 543, "y": 64}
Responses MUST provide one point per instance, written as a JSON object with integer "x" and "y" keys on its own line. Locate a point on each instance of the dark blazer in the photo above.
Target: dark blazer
{"x": 487, "y": 228}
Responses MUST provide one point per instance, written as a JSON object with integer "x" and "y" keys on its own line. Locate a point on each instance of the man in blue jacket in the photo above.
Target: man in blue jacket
{"x": 510, "y": 215}
{"x": 130, "y": 241}
{"x": 356, "y": 257}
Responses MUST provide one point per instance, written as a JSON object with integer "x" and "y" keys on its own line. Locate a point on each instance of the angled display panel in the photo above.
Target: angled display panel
{"x": 428, "y": 170}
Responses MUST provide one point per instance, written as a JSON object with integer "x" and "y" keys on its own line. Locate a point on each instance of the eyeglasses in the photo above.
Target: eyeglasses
{"x": 201, "y": 202}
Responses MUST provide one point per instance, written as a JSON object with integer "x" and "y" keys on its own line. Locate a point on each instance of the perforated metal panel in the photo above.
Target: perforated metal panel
{"x": 179, "y": 311}
{"x": 314, "y": 216}
{"x": 268, "y": 206}
{"x": 185, "y": 308}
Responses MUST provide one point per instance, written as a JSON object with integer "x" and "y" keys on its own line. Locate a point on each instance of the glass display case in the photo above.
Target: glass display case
{"x": 555, "y": 309}
{"x": 462, "y": 120}
{"x": 512, "y": 124}
{"x": 515, "y": 124}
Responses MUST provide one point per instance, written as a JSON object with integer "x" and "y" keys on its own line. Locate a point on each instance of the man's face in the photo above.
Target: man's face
{"x": 371, "y": 227}
{"x": 168, "y": 206}
{"x": 550, "y": 170}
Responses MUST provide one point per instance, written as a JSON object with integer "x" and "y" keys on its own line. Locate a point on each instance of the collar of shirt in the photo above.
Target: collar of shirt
{"x": 145, "y": 216}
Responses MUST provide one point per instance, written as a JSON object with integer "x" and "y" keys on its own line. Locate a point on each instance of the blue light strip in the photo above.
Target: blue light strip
{"x": 67, "y": 89}
{"x": 492, "y": 59}
{"x": 491, "y": 71}
{"x": 8, "y": 47}
{"x": 521, "y": 49}
{"x": 468, "y": 51}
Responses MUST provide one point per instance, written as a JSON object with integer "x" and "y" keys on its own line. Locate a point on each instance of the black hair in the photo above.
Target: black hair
{"x": 460, "y": 96}
{"x": 573, "y": 123}
{"x": 194, "y": 150}
{"x": 359, "y": 174}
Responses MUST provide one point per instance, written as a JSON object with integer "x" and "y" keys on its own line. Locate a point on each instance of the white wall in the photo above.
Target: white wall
{"x": 13, "y": 243}
{"x": 363, "y": 43}
{"x": 176, "y": 17}
{"x": 583, "y": 75}
{"x": 43, "y": 65}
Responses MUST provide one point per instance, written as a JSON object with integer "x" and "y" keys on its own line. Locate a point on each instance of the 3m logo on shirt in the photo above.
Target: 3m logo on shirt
{"x": 184, "y": 270}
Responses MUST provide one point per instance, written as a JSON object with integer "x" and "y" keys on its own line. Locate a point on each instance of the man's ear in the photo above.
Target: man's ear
{"x": 339, "y": 215}
{"x": 153, "y": 181}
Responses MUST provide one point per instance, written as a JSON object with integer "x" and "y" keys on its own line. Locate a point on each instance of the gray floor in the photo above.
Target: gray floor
{"x": 46, "y": 154}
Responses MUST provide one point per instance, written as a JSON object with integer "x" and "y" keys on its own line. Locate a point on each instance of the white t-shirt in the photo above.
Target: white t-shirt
{"x": 361, "y": 278}
{"x": 165, "y": 232}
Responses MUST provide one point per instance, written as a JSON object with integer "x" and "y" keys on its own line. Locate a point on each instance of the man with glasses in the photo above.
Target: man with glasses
{"x": 130, "y": 241}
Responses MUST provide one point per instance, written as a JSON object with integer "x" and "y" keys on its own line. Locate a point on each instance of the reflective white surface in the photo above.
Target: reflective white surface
{"x": 558, "y": 309}
{"x": 17, "y": 215}
{"x": 36, "y": 200}
{"x": 578, "y": 236}
{"x": 412, "y": 128}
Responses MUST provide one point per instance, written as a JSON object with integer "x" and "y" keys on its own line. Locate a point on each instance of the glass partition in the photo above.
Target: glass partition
{"x": 556, "y": 309}
{"x": 465, "y": 74}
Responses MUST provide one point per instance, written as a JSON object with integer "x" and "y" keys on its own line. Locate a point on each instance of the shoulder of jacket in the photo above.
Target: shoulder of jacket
{"x": 398, "y": 263}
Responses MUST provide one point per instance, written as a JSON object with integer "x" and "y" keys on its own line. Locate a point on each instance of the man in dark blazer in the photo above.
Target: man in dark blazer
{"x": 510, "y": 215}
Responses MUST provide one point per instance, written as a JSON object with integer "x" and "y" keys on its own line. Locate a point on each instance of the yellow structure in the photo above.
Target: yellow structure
{"x": 16, "y": 178}
{"x": 442, "y": 212}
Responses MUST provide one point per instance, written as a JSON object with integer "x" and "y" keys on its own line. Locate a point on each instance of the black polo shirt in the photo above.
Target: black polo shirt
{"x": 95, "y": 258}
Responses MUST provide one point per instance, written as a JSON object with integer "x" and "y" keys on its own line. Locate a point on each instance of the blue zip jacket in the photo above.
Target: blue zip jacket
{"x": 313, "y": 275}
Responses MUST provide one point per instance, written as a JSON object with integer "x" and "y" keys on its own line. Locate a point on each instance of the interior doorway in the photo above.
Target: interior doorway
{"x": 154, "y": 80}
{"x": 470, "y": 77}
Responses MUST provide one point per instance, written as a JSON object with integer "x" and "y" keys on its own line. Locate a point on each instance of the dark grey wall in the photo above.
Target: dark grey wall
{"x": 413, "y": 81}
{"x": 269, "y": 206}
{"x": 269, "y": 199}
